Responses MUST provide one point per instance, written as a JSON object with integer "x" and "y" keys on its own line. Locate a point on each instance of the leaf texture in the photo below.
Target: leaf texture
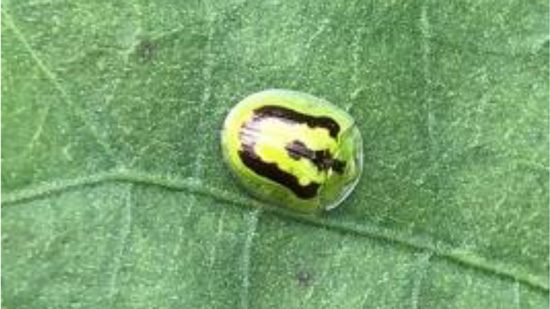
{"x": 115, "y": 194}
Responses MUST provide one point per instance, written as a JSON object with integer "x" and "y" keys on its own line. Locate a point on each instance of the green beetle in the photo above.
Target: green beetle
{"x": 293, "y": 149}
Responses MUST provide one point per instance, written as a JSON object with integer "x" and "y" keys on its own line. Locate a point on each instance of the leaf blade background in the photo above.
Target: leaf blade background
{"x": 451, "y": 101}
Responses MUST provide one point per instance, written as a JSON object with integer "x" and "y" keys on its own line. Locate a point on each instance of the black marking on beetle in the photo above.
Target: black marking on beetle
{"x": 272, "y": 111}
{"x": 273, "y": 172}
{"x": 322, "y": 159}
{"x": 338, "y": 166}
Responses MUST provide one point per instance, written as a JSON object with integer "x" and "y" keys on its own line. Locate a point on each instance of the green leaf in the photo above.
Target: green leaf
{"x": 115, "y": 195}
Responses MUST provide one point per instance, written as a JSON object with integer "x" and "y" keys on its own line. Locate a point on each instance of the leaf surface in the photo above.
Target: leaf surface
{"x": 115, "y": 194}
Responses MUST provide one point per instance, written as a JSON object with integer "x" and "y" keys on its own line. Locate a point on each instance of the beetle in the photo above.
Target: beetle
{"x": 293, "y": 149}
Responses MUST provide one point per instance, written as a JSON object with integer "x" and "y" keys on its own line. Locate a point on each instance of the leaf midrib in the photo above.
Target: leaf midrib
{"x": 194, "y": 186}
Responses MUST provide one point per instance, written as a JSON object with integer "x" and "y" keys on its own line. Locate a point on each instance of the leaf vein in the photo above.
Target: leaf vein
{"x": 425, "y": 30}
{"x": 51, "y": 76}
{"x": 517, "y": 295}
{"x": 252, "y": 226}
{"x": 124, "y": 237}
{"x": 195, "y": 186}
{"x": 422, "y": 269}
{"x": 206, "y": 96}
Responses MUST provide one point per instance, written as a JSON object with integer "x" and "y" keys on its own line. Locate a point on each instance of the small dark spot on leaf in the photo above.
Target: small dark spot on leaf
{"x": 146, "y": 50}
{"x": 304, "y": 278}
